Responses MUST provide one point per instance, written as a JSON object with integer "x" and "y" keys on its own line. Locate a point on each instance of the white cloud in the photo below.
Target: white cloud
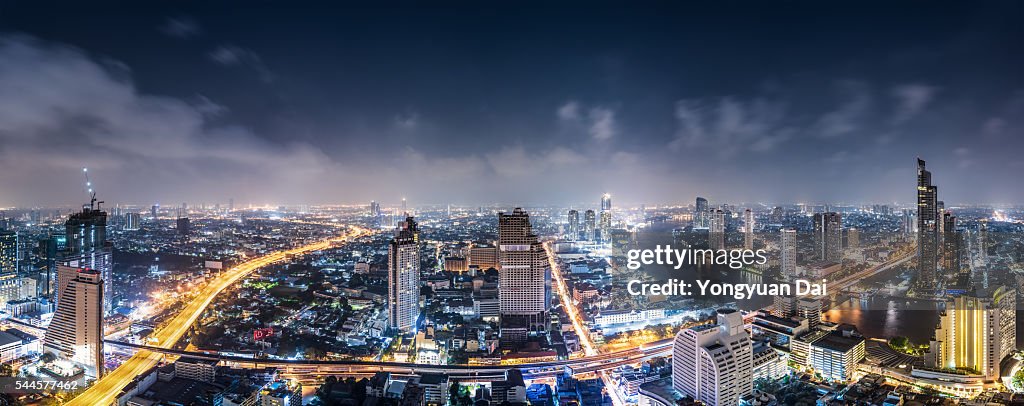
{"x": 569, "y": 111}
{"x": 231, "y": 55}
{"x": 602, "y": 123}
{"x": 847, "y": 117}
{"x": 911, "y": 100}
{"x": 728, "y": 125}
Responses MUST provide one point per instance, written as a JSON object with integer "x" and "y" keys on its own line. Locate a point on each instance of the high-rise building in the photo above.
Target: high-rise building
{"x": 8, "y": 252}
{"x": 950, "y": 245}
{"x": 927, "y": 227}
{"x": 828, "y": 236}
{"x": 76, "y": 331}
{"x": 132, "y": 221}
{"x": 88, "y": 248}
{"x": 524, "y": 276}
{"x": 154, "y": 210}
{"x": 716, "y": 230}
{"x": 48, "y": 252}
{"x": 788, "y": 254}
{"x": 714, "y": 363}
{"x": 589, "y": 224}
{"x": 574, "y": 225}
{"x": 785, "y": 306}
{"x": 700, "y": 213}
{"x": 976, "y": 332}
{"x": 835, "y": 355}
{"x": 606, "y": 202}
{"x": 404, "y": 277}
{"x": 483, "y": 256}
{"x": 809, "y": 309}
{"x": 183, "y": 226}
{"x": 748, "y": 229}
{"x": 853, "y": 238}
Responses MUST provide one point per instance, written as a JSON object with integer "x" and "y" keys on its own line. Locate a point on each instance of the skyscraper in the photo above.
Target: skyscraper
{"x": 183, "y": 226}
{"x": 951, "y": 241}
{"x": 605, "y": 225}
{"x": 828, "y": 238}
{"x": 788, "y": 254}
{"x": 404, "y": 277}
{"x": 76, "y": 331}
{"x": 589, "y": 224}
{"x": 700, "y": 213}
{"x": 714, "y": 363}
{"x": 574, "y": 225}
{"x": 976, "y": 331}
{"x": 153, "y": 210}
{"x": 524, "y": 276}
{"x": 927, "y": 228}
{"x": 8, "y": 252}
{"x": 132, "y": 221}
{"x": 748, "y": 229}
{"x": 716, "y": 226}
{"x": 606, "y": 202}
{"x": 88, "y": 248}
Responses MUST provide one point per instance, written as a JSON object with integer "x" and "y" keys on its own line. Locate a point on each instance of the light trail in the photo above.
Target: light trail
{"x": 589, "y": 349}
{"x": 105, "y": 390}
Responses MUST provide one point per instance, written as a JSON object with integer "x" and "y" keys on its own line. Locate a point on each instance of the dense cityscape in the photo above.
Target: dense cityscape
{"x": 407, "y": 304}
{"x": 480, "y": 203}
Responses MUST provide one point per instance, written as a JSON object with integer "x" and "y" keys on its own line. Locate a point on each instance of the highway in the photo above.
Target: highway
{"x": 589, "y": 349}
{"x": 105, "y": 390}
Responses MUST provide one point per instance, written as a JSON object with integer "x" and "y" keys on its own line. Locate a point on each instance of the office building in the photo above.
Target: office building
{"x": 828, "y": 236}
{"x": 132, "y": 221}
{"x": 76, "y": 331}
{"x": 951, "y": 243}
{"x": 809, "y": 309}
{"x": 835, "y": 355}
{"x": 404, "y": 277}
{"x": 700, "y": 213}
{"x": 853, "y": 238}
{"x": 8, "y": 252}
{"x": 716, "y": 230}
{"x": 483, "y": 256}
{"x": 788, "y": 254}
{"x": 524, "y": 276}
{"x": 927, "y": 228}
{"x": 574, "y": 225}
{"x": 590, "y": 225}
{"x": 976, "y": 332}
{"x": 748, "y": 229}
{"x": 714, "y": 363}
{"x": 183, "y": 225}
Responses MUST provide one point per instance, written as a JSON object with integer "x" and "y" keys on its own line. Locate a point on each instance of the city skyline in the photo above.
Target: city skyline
{"x": 272, "y": 106}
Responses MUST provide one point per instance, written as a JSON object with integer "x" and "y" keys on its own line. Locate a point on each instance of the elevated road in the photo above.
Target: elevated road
{"x": 105, "y": 390}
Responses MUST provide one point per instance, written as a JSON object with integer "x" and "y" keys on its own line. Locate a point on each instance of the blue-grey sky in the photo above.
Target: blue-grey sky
{"x": 477, "y": 102}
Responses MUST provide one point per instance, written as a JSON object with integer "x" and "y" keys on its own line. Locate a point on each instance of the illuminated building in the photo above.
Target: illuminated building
{"x": 8, "y": 252}
{"x": 574, "y": 225}
{"x": 404, "y": 277}
{"x": 950, "y": 245}
{"x": 606, "y": 202}
{"x": 748, "y": 229}
{"x": 88, "y": 248}
{"x": 788, "y": 254}
{"x": 716, "y": 234}
{"x": 853, "y": 238}
{"x": 483, "y": 256}
{"x": 605, "y": 224}
{"x": 76, "y": 331}
{"x": 700, "y": 213}
{"x": 927, "y": 227}
{"x": 810, "y": 310}
{"x": 714, "y": 363}
{"x": 827, "y": 236}
{"x": 590, "y": 225}
{"x": 975, "y": 332}
{"x": 836, "y": 354}
{"x": 282, "y": 393}
{"x": 153, "y": 211}
{"x": 49, "y": 250}
{"x": 132, "y": 221}
{"x": 785, "y": 306}
{"x": 15, "y": 288}
{"x": 524, "y": 275}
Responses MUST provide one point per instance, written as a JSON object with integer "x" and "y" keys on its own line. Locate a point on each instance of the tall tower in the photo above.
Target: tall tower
{"x": 828, "y": 237}
{"x": 716, "y": 226}
{"x": 88, "y": 248}
{"x": 8, "y": 252}
{"x": 700, "y": 213}
{"x": 76, "y": 331}
{"x": 927, "y": 228}
{"x": 574, "y": 225}
{"x": 404, "y": 277}
{"x": 606, "y": 217}
{"x": 976, "y": 331}
{"x": 714, "y": 363}
{"x": 788, "y": 254}
{"x": 606, "y": 202}
{"x": 748, "y": 229}
{"x": 950, "y": 245}
{"x": 524, "y": 275}
{"x": 589, "y": 224}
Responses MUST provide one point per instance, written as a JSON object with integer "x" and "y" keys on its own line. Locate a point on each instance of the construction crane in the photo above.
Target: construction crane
{"x": 93, "y": 204}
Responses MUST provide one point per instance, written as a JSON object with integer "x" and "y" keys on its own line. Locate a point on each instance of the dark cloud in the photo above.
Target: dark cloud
{"x": 181, "y": 27}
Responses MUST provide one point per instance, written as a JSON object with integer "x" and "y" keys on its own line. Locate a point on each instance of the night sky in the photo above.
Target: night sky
{"x": 510, "y": 102}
